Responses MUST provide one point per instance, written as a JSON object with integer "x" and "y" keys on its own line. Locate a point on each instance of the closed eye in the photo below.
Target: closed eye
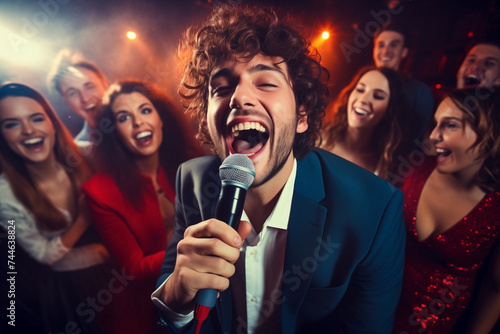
{"x": 11, "y": 124}
{"x": 490, "y": 64}
{"x": 38, "y": 119}
{"x": 267, "y": 85}
{"x": 451, "y": 125}
{"x": 221, "y": 90}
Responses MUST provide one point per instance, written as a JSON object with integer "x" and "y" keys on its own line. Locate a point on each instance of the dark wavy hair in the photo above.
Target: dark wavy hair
{"x": 390, "y": 135}
{"x": 481, "y": 108}
{"x": 244, "y": 32}
{"x": 178, "y": 144}
{"x": 67, "y": 155}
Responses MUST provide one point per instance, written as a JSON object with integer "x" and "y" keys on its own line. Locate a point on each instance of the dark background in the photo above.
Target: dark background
{"x": 32, "y": 32}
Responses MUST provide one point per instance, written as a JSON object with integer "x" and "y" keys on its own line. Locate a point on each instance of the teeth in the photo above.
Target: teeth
{"x": 386, "y": 59}
{"x": 247, "y": 126}
{"x": 33, "y": 141}
{"x": 143, "y": 134}
{"x": 440, "y": 150}
{"x": 90, "y": 107}
{"x": 361, "y": 111}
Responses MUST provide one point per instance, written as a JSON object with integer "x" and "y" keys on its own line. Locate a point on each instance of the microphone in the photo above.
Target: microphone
{"x": 236, "y": 174}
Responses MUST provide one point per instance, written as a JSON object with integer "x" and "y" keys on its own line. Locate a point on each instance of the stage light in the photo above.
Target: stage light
{"x": 325, "y": 35}
{"x": 438, "y": 86}
{"x": 131, "y": 35}
{"x": 470, "y": 34}
{"x": 23, "y": 49}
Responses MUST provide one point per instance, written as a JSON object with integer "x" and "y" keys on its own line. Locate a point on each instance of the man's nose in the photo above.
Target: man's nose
{"x": 243, "y": 96}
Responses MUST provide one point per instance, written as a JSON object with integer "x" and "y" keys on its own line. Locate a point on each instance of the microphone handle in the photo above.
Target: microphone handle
{"x": 229, "y": 210}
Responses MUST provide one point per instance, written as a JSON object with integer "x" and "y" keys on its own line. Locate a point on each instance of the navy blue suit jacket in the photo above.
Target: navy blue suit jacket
{"x": 345, "y": 246}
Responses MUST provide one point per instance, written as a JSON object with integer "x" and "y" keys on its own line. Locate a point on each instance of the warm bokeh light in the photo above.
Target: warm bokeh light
{"x": 131, "y": 35}
{"x": 470, "y": 34}
{"x": 23, "y": 49}
{"x": 325, "y": 35}
{"x": 438, "y": 86}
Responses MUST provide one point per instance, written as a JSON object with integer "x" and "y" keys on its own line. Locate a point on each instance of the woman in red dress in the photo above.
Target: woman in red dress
{"x": 452, "y": 215}
{"x": 131, "y": 199}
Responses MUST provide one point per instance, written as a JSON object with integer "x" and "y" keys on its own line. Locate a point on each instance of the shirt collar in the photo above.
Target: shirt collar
{"x": 281, "y": 213}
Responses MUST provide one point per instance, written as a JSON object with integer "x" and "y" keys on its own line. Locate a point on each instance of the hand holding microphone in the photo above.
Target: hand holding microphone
{"x": 237, "y": 174}
{"x": 209, "y": 249}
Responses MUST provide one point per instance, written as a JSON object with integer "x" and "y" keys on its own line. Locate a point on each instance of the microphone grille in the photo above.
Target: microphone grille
{"x": 237, "y": 168}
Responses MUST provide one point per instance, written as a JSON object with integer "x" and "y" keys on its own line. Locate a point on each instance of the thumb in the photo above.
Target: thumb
{"x": 244, "y": 229}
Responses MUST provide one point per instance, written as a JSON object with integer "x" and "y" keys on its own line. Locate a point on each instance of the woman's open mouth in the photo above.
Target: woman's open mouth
{"x": 33, "y": 143}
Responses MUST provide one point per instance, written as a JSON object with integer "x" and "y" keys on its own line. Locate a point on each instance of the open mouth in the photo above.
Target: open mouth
{"x": 472, "y": 80}
{"x": 33, "y": 143}
{"x": 248, "y": 138}
{"x": 361, "y": 112}
{"x": 93, "y": 108}
{"x": 442, "y": 153}
{"x": 144, "y": 136}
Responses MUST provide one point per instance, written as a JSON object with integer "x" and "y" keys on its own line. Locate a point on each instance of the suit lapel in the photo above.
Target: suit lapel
{"x": 305, "y": 231}
{"x": 224, "y": 309}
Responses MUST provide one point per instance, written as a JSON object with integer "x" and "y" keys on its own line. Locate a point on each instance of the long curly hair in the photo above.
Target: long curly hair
{"x": 244, "y": 32}
{"x": 67, "y": 155}
{"x": 178, "y": 144}
{"x": 390, "y": 135}
{"x": 481, "y": 108}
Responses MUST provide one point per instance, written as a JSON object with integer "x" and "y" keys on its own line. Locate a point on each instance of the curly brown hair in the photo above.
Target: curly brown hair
{"x": 481, "y": 108}
{"x": 244, "y": 32}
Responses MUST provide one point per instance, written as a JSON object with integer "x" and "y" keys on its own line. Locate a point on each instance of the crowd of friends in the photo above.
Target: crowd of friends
{"x": 114, "y": 230}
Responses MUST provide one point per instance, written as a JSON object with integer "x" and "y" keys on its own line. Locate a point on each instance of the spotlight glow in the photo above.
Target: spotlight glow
{"x": 131, "y": 35}
{"x": 21, "y": 50}
{"x": 325, "y": 35}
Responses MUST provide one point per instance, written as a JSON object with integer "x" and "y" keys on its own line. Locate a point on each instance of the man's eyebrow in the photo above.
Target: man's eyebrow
{"x": 223, "y": 72}
{"x": 262, "y": 67}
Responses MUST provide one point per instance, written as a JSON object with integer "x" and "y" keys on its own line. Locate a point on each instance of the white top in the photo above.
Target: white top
{"x": 258, "y": 274}
{"x": 44, "y": 246}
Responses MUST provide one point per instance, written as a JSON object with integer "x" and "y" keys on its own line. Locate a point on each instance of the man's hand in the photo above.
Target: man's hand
{"x": 205, "y": 260}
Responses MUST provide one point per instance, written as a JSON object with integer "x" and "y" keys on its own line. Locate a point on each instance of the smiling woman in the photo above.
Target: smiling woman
{"x": 42, "y": 198}
{"x": 132, "y": 197}
{"x": 452, "y": 215}
{"x": 367, "y": 124}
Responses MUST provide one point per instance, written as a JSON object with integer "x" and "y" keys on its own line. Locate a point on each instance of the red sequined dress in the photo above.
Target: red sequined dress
{"x": 440, "y": 271}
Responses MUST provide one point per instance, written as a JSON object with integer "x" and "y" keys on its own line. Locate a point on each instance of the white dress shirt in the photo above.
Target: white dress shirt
{"x": 258, "y": 275}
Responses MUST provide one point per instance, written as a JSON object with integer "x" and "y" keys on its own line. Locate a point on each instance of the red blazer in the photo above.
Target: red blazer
{"x": 136, "y": 240}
